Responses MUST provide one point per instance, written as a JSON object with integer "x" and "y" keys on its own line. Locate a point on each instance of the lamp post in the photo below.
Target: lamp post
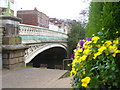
{"x": 8, "y": 11}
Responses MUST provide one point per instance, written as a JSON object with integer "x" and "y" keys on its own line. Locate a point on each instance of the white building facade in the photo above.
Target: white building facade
{"x": 56, "y": 25}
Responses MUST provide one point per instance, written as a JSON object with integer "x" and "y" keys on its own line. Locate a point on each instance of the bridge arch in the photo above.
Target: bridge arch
{"x": 41, "y": 49}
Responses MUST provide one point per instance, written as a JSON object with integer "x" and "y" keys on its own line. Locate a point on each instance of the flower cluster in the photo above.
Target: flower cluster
{"x": 93, "y": 57}
{"x": 85, "y": 81}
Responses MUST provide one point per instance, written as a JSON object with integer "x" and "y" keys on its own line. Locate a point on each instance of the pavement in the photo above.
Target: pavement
{"x": 35, "y": 78}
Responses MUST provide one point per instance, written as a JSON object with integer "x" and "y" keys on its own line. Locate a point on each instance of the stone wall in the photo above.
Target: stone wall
{"x": 12, "y": 50}
{"x": 13, "y": 59}
{"x": 1, "y": 30}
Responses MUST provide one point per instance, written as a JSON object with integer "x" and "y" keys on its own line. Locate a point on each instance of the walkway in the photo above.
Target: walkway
{"x": 35, "y": 78}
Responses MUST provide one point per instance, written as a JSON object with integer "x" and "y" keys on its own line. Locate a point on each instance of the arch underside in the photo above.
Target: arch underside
{"x": 58, "y": 49}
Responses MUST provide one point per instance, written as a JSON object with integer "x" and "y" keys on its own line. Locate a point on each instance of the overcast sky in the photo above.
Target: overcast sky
{"x": 61, "y": 9}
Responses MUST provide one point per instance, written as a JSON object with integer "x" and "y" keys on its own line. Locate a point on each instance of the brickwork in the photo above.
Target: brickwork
{"x": 33, "y": 17}
{"x": 30, "y": 19}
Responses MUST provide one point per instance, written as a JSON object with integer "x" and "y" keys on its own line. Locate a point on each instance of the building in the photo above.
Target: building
{"x": 4, "y": 6}
{"x": 33, "y": 17}
{"x": 55, "y": 24}
{"x": 58, "y": 25}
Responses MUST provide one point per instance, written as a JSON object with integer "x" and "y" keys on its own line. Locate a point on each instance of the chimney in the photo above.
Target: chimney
{"x": 35, "y": 9}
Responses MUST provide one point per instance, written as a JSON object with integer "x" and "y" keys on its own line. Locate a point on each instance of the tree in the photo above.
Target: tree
{"x": 77, "y": 32}
{"x": 94, "y": 20}
{"x": 111, "y": 19}
{"x": 104, "y": 15}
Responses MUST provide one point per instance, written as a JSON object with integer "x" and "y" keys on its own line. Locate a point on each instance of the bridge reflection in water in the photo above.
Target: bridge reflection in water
{"x": 50, "y": 58}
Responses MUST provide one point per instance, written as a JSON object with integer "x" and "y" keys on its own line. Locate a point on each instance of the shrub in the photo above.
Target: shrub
{"x": 96, "y": 63}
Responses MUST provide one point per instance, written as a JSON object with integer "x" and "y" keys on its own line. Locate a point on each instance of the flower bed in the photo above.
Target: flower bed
{"x": 96, "y": 63}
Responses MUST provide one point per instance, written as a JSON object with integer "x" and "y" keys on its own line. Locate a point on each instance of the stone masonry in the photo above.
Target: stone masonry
{"x": 12, "y": 50}
{"x": 0, "y": 46}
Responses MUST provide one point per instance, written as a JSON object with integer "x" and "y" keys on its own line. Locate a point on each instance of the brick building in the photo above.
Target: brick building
{"x": 33, "y": 17}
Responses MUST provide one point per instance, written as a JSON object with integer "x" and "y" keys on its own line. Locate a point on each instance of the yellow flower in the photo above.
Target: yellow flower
{"x": 114, "y": 54}
{"x": 79, "y": 60}
{"x": 108, "y": 43}
{"x": 76, "y": 56}
{"x": 78, "y": 45}
{"x": 83, "y": 72}
{"x": 98, "y": 45}
{"x": 102, "y": 28}
{"x": 95, "y": 39}
{"x": 116, "y": 31}
{"x": 102, "y": 41}
{"x": 112, "y": 48}
{"x": 79, "y": 50}
{"x": 96, "y": 54}
{"x": 93, "y": 35}
{"x": 85, "y": 81}
{"x": 83, "y": 57}
{"x": 87, "y": 42}
{"x": 72, "y": 72}
{"x": 116, "y": 41}
{"x": 68, "y": 65}
{"x": 101, "y": 49}
{"x": 86, "y": 51}
{"x": 75, "y": 51}
{"x": 74, "y": 62}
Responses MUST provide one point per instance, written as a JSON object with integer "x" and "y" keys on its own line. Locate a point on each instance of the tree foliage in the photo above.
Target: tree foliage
{"x": 104, "y": 15}
{"x": 94, "y": 21}
{"x": 77, "y": 32}
{"x": 111, "y": 19}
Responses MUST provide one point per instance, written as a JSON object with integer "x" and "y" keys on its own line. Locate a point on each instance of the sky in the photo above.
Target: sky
{"x": 61, "y": 9}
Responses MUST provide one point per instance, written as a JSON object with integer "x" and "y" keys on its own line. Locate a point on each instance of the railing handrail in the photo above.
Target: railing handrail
{"x": 37, "y": 27}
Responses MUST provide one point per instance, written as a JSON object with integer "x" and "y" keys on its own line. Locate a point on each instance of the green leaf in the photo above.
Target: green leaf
{"x": 114, "y": 84}
{"x": 113, "y": 68}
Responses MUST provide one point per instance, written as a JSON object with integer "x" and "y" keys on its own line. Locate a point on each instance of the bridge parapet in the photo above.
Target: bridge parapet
{"x": 35, "y": 34}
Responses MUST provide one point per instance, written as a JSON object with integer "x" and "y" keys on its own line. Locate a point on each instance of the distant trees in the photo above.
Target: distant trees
{"x": 77, "y": 32}
{"x": 104, "y": 16}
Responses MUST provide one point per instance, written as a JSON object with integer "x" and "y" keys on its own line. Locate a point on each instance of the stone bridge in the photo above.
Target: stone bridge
{"x": 26, "y": 44}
